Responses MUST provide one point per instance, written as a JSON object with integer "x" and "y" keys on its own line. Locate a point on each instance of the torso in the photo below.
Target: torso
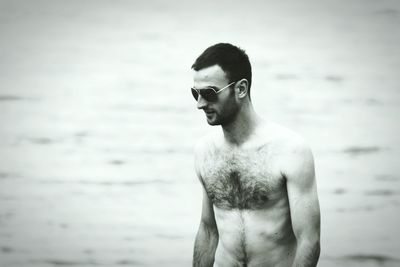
{"x": 250, "y": 201}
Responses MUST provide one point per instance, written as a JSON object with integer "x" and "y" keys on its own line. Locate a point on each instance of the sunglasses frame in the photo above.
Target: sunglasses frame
{"x": 198, "y": 91}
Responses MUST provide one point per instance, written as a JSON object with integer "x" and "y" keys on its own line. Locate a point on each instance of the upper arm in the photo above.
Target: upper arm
{"x": 302, "y": 192}
{"x": 207, "y": 211}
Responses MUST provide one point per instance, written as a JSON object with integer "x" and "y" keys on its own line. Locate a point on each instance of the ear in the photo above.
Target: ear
{"x": 242, "y": 88}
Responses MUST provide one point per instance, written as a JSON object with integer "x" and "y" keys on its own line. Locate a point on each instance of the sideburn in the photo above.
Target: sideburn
{"x": 232, "y": 109}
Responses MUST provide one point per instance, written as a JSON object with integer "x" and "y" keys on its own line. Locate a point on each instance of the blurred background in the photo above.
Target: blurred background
{"x": 98, "y": 123}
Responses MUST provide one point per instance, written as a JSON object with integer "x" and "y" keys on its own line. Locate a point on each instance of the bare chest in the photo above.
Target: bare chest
{"x": 242, "y": 179}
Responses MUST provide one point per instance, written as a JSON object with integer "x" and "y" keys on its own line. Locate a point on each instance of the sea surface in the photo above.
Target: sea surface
{"x": 97, "y": 123}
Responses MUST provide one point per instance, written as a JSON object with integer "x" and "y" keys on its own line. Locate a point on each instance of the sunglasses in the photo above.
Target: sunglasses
{"x": 209, "y": 94}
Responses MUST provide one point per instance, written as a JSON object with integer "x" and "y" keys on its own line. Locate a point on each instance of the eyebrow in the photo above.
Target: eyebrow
{"x": 206, "y": 87}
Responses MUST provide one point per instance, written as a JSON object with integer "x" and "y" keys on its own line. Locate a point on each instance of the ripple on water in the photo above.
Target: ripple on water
{"x": 6, "y": 98}
{"x": 117, "y": 162}
{"x": 143, "y": 182}
{"x": 339, "y": 191}
{"x": 364, "y": 258}
{"x": 381, "y": 192}
{"x": 388, "y": 12}
{"x": 6, "y": 249}
{"x": 361, "y": 150}
{"x": 334, "y": 78}
{"x": 6, "y": 175}
{"x": 41, "y": 140}
{"x": 357, "y": 209}
{"x": 128, "y": 262}
{"x": 57, "y": 262}
{"x": 387, "y": 178}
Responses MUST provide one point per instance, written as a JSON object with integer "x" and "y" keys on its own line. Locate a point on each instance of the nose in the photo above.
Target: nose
{"x": 201, "y": 102}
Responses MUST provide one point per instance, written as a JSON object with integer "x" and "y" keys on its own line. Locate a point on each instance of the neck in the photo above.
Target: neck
{"x": 242, "y": 127}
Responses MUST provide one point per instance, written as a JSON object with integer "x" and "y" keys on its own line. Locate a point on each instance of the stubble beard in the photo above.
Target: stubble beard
{"x": 225, "y": 117}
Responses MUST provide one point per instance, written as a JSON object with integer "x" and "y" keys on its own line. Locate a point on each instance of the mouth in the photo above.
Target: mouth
{"x": 209, "y": 112}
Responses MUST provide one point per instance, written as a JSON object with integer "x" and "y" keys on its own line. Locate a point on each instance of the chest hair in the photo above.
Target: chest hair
{"x": 241, "y": 179}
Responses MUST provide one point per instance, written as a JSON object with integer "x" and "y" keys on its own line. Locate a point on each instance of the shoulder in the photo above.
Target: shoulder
{"x": 294, "y": 145}
{"x": 293, "y": 151}
{"x": 285, "y": 138}
{"x": 204, "y": 147}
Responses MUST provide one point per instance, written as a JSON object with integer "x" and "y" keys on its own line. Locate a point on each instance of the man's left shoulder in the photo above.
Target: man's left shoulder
{"x": 288, "y": 140}
{"x": 296, "y": 145}
{"x": 293, "y": 148}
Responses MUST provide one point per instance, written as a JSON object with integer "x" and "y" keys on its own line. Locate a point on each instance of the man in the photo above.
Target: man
{"x": 260, "y": 204}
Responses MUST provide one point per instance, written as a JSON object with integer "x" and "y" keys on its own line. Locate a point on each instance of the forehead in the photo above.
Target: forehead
{"x": 210, "y": 76}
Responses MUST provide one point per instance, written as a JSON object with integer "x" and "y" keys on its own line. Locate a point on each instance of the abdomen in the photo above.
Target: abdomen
{"x": 262, "y": 237}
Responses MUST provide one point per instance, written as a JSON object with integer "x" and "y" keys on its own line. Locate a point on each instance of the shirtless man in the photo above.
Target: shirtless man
{"x": 260, "y": 204}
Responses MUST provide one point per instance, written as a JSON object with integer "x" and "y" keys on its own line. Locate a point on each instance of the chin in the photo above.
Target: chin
{"x": 213, "y": 122}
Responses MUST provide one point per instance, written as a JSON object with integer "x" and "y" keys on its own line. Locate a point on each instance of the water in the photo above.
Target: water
{"x": 98, "y": 124}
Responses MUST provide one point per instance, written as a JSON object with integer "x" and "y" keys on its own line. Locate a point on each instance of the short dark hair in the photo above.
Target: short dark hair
{"x": 232, "y": 59}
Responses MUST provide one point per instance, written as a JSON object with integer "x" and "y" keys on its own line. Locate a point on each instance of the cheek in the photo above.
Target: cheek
{"x": 229, "y": 109}
{"x": 231, "y": 105}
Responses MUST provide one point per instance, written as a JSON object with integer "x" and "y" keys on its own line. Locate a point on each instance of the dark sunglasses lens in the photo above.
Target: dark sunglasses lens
{"x": 208, "y": 95}
{"x": 195, "y": 94}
